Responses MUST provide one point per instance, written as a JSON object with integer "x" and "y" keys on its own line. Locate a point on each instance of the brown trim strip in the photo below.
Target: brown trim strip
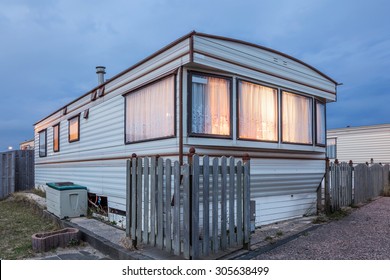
{"x": 262, "y": 71}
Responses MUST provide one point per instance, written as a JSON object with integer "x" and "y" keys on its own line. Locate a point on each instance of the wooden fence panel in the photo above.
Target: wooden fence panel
{"x": 193, "y": 209}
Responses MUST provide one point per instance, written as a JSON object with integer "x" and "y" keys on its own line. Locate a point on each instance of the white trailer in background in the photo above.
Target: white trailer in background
{"x": 361, "y": 144}
{"x": 220, "y": 95}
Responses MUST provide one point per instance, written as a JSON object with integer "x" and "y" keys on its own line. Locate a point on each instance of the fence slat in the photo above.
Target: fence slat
{"x": 239, "y": 212}
{"x": 232, "y": 234}
{"x": 146, "y": 200}
{"x": 160, "y": 196}
{"x": 223, "y": 203}
{"x": 133, "y": 198}
{"x": 186, "y": 210}
{"x": 206, "y": 207}
{"x": 153, "y": 187}
{"x": 176, "y": 212}
{"x": 195, "y": 208}
{"x": 246, "y": 209}
{"x": 139, "y": 200}
{"x": 167, "y": 208}
{"x": 215, "y": 243}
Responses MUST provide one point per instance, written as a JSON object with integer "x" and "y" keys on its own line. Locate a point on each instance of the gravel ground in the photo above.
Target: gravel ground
{"x": 362, "y": 235}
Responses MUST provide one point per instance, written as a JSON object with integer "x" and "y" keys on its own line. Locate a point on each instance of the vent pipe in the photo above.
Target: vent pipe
{"x": 100, "y": 71}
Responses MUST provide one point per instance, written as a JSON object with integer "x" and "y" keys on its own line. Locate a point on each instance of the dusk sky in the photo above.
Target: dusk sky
{"x": 49, "y": 48}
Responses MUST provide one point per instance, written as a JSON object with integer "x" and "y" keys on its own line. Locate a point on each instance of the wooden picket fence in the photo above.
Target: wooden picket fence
{"x": 194, "y": 210}
{"x": 347, "y": 185}
{"x": 16, "y": 171}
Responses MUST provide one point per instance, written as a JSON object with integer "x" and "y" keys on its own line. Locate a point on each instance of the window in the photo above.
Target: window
{"x": 331, "y": 148}
{"x": 257, "y": 112}
{"x": 42, "y": 143}
{"x": 74, "y": 129}
{"x": 210, "y": 105}
{"x": 150, "y": 111}
{"x": 320, "y": 124}
{"x": 56, "y": 138}
{"x": 296, "y": 118}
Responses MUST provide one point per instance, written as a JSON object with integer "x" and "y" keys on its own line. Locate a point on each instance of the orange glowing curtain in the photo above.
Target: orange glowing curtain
{"x": 258, "y": 114}
{"x": 74, "y": 129}
{"x": 210, "y": 105}
{"x": 150, "y": 111}
{"x": 296, "y": 118}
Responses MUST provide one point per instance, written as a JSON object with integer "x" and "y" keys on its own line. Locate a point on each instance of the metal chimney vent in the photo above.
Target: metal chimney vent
{"x": 100, "y": 71}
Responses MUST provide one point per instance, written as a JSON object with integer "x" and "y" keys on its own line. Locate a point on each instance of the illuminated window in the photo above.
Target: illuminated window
{"x": 257, "y": 113}
{"x": 42, "y": 143}
{"x": 296, "y": 118}
{"x": 74, "y": 129}
{"x": 150, "y": 111}
{"x": 320, "y": 124}
{"x": 210, "y": 105}
{"x": 56, "y": 138}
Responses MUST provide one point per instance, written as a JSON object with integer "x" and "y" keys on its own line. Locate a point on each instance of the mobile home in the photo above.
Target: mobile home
{"x": 361, "y": 144}
{"x": 219, "y": 95}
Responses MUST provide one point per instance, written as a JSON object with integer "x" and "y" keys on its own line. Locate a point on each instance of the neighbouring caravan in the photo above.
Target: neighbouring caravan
{"x": 361, "y": 144}
{"x": 219, "y": 95}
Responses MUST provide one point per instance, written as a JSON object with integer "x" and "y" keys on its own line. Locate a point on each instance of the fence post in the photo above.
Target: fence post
{"x": 327, "y": 186}
{"x": 191, "y": 154}
{"x": 246, "y": 204}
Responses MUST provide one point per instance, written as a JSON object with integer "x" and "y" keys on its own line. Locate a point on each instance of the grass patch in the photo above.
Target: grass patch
{"x": 18, "y": 221}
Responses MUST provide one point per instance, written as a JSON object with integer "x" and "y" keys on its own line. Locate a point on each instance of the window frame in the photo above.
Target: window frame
{"x": 315, "y": 123}
{"x": 78, "y": 128}
{"x": 39, "y": 143}
{"x": 238, "y": 80}
{"x": 189, "y": 106}
{"x": 174, "y": 109}
{"x": 283, "y": 90}
{"x": 54, "y": 134}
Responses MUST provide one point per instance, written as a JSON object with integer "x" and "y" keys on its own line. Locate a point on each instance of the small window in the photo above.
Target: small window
{"x": 296, "y": 118}
{"x": 74, "y": 129}
{"x": 210, "y": 105}
{"x": 257, "y": 112}
{"x": 42, "y": 143}
{"x": 320, "y": 124}
{"x": 331, "y": 148}
{"x": 150, "y": 111}
{"x": 56, "y": 138}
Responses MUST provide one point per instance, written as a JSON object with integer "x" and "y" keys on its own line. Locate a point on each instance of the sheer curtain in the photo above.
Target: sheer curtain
{"x": 321, "y": 133}
{"x": 42, "y": 143}
{"x": 296, "y": 118}
{"x": 210, "y": 105}
{"x": 258, "y": 114}
{"x": 150, "y": 111}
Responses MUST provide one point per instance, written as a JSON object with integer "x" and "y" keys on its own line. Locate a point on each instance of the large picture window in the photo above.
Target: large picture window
{"x": 42, "y": 143}
{"x": 150, "y": 111}
{"x": 210, "y": 105}
{"x": 296, "y": 118}
{"x": 74, "y": 129}
{"x": 320, "y": 124}
{"x": 258, "y": 113}
{"x": 56, "y": 138}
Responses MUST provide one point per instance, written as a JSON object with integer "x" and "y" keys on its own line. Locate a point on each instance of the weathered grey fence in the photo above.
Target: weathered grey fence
{"x": 193, "y": 210}
{"x": 16, "y": 171}
{"x": 347, "y": 185}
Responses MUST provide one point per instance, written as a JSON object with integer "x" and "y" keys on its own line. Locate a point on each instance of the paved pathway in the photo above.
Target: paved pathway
{"x": 364, "y": 235}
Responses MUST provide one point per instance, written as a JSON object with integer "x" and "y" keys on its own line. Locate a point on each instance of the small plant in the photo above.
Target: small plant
{"x": 320, "y": 220}
{"x": 279, "y": 233}
{"x": 268, "y": 238}
{"x": 73, "y": 242}
{"x": 305, "y": 233}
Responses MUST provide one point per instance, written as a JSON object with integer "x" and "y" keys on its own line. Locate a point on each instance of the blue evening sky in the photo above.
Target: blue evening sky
{"x": 49, "y": 48}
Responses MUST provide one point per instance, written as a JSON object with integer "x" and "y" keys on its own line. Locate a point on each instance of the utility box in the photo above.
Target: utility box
{"x": 66, "y": 200}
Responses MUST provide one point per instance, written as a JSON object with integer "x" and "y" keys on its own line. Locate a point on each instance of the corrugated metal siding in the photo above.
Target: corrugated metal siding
{"x": 363, "y": 144}
{"x": 262, "y": 60}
